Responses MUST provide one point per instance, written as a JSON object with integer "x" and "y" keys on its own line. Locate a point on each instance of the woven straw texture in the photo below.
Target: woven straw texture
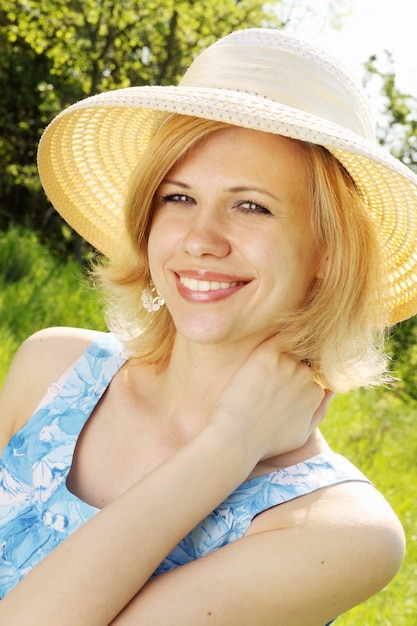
{"x": 88, "y": 152}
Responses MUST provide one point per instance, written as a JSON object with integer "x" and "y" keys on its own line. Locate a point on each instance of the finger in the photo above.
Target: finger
{"x": 321, "y": 411}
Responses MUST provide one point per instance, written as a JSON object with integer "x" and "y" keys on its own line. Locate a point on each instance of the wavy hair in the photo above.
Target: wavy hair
{"x": 339, "y": 326}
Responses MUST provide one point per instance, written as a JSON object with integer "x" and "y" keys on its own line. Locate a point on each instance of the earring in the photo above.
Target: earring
{"x": 149, "y": 302}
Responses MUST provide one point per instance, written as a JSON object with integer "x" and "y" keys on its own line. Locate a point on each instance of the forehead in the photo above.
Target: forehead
{"x": 242, "y": 138}
{"x": 244, "y": 149}
{"x": 236, "y": 156}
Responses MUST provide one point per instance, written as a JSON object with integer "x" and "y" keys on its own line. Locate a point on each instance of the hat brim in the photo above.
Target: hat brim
{"x": 87, "y": 153}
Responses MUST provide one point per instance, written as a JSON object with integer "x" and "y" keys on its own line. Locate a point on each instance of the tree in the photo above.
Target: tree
{"x": 24, "y": 110}
{"x": 399, "y": 134}
{"x": 54, "y": 52}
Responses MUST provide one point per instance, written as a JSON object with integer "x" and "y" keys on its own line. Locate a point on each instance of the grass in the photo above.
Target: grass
{"x": 374, "y": 429}
{"x": 37, "y": 291}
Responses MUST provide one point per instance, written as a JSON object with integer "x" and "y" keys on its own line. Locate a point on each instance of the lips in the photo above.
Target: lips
{"x": 205, "y": 287}
{"x": 194, "y": 284}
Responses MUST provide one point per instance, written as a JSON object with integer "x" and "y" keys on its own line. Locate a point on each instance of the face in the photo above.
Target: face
{"x": 230, "y": 246}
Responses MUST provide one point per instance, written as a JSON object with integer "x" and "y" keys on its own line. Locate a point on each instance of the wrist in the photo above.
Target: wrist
{"x": 232, "y": 438}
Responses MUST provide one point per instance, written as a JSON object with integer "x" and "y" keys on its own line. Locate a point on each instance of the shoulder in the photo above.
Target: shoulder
{"x": 356, "y": 525}
{"x": 39, "y": 362}
{"x": 52, "y": 350}
{"x": 302, "y": 563}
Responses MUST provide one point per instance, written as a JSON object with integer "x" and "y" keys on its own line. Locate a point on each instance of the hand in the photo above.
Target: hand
{"x": 272, "y": 402}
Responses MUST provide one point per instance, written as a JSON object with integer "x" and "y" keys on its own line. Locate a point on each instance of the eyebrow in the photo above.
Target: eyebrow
{"x": 171, "y": 181}
{"x": 237, "y": 189}
{"x": 243, "y": 189}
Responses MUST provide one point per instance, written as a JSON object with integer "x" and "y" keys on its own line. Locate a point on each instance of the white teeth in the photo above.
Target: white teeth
{"x": 204, "y": 285}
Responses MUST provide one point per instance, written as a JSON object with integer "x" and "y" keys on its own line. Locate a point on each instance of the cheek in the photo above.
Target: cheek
{"x": 306, "y": 254}
{"x": 292, "y": 264}
{"x": 163, "y": 228}
{"x": 162, "y": 243}
{"x": 155, "y": 240}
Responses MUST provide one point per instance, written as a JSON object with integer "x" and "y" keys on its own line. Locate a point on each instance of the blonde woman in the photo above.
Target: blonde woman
{"x": 171, "y": 471}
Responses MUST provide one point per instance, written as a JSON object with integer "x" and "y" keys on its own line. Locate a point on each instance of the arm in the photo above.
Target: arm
{"x": 38, "y": 363}
{"x": 313, "y": 559}
{"x": 302, "y": 569}
{"x": 94, "y": 574}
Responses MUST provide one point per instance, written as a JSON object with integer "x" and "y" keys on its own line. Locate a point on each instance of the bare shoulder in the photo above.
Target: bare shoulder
{"x": 301, "y": 564}
{"x": 59, "y": 343}
{"x": 39, "y": 362}
{"x": 358, "y": 521}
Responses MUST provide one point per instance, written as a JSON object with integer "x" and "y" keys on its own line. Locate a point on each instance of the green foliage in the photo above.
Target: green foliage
{"x": 19, "y": 256}
{"x": 21, "y": 73}
{"x": 399, "y": 130}
{"x": 375, "y": 429}
{"x": 398, "y": 134}
{"x": 54, "y": 52}
{"x": 403, "y": 350}
{"x": 37, "y": 290}
{"x": 121, "y": 43}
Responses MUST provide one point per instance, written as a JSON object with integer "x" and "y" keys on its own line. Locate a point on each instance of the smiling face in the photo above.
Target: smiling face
{"x": 230, "y": 247}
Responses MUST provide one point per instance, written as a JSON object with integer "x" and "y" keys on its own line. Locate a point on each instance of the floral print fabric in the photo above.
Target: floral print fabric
{"x": 37, "y": 511}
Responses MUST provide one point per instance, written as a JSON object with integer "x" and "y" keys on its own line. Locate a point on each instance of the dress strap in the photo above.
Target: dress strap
{"x": 231, "y": 519}
{"x": 69, "y": 403}
{"x": 93, "y": 371}
{"x": 106, "y": 346}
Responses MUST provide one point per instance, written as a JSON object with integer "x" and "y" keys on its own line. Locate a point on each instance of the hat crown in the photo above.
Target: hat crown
{"x": 263, "y": 62}
{"x": 261, "y": 79}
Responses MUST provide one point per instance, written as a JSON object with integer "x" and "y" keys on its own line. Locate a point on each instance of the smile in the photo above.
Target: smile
{"x": 207, "y": 285}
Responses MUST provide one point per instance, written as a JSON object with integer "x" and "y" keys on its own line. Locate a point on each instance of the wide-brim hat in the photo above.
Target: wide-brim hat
{"x": 260, "y": 79}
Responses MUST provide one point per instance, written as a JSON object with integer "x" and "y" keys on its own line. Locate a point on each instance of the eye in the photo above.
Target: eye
{"x": 177, "y": 198}
{"x": 248, "y": 206}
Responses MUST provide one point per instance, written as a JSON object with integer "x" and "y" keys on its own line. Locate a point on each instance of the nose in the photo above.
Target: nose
{"x": 207, "y": 235}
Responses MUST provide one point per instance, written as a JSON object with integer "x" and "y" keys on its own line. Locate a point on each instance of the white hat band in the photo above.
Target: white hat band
{"x": 269, "y": 72}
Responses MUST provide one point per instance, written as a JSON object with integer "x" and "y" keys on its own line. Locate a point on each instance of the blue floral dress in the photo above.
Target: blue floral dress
{"x": 37, "y": 511}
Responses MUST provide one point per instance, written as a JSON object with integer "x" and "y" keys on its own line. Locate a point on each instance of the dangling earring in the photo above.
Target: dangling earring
{"x": 149, "y": 302}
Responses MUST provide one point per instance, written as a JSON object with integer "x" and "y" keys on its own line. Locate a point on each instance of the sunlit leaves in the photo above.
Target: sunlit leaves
{"x": 54, "y": 52}
{"x": 398, "y": 132}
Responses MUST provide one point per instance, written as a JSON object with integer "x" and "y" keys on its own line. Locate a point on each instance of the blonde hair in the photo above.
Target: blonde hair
{"x": 339, "y": 327}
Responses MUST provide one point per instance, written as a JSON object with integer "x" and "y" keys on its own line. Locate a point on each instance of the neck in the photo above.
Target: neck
{"x": 205, "y": 369}
{"x": 191, "y": 386}
{"x": 181, "y": 399}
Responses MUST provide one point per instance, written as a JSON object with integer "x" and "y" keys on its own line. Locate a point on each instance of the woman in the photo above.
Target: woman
{"x": 172, "y": 471}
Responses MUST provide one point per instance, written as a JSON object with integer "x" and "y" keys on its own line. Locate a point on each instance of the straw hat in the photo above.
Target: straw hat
{"x": 258, "y": 78}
